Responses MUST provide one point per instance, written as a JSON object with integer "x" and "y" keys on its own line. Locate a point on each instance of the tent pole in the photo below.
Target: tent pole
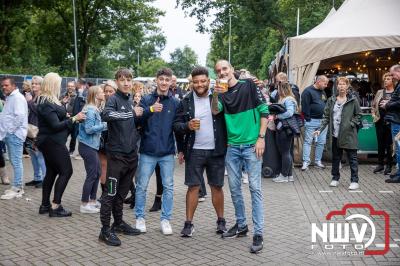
{"x": 298, "y": 21}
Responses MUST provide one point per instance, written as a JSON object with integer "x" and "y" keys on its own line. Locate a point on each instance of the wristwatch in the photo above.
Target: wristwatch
{"x": 261, "y": 136}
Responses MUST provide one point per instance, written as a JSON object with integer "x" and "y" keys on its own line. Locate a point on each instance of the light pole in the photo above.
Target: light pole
{"x": 75, "y": 42}
{"x": 229, "y": 41}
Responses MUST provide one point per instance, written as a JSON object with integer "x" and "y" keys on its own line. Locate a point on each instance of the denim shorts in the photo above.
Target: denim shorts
{"x": 201, "y": 160}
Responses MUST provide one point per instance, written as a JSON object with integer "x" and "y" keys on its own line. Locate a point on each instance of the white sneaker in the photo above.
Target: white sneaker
{"x": 281, "y": 179}
{"x": 14, "y": 192}
{"x": 166, "y": 228}
{"x": 226, "y": 172}
{"x": 88, "y": 208}
{"x": 202, "y": 199}
{"x": 354, "y": 186}
{"x": 78, "y": 157}
{"x": 96, "y": 204}
{"x": 334, "y": 183}
{"x": 290, "y": 178}
{"x": 318, "y": 164}
{"x": 141, "y": 225}
{"x": 245, "y": 178}
{"x": 305, "y": 166}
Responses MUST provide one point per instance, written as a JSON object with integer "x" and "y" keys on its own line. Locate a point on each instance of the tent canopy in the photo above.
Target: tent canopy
{"x": 358, "y": 25}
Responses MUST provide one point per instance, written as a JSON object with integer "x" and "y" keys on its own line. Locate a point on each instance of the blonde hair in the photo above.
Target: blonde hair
{"x": 285, "y": 91}
{"x": 137, "y": 87}
{"x": 91, "y": 97}
{"x": 344, "y": 79}
{"x": 385, "y": 75}
{"x": 38, "y": 79}
{"x": 51, "y": 87}
{"x": 27, "y": 86}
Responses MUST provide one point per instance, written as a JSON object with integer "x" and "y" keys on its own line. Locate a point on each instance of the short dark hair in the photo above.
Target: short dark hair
{"x": 82, "y": 81}
{"x": 165, "y": 71}
{"x": 123, "y": 73}
{"x": 11, "y": 79}
{"x": 199, "y": 70}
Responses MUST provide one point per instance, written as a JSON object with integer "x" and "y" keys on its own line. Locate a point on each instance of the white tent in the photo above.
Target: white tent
{"x": 358, "y": 25}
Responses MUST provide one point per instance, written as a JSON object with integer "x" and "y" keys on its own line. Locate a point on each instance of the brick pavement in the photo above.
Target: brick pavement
{"x": 29, "y": 238}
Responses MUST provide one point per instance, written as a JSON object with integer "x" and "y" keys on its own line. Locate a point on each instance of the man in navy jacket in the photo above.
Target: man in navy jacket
{"x": 157, "y": 146}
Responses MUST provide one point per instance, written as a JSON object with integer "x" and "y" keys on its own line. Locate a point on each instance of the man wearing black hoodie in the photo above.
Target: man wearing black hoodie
{"x": 122, "y": 158}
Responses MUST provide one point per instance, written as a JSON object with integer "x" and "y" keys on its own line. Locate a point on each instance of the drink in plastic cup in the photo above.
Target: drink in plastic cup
{"x": 196, "y": 123}
{"x": 223, "y": 83}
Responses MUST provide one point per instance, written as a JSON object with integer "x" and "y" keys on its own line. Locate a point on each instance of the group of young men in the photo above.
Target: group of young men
{"x": 213, "y": 131}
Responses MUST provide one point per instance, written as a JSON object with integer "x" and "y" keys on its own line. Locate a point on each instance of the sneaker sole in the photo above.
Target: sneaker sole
{"x": 191, "y": 234}
{"x": 8, "y": 198}
{"x": 107, "y": 243}
{"x": 280, "y": 181}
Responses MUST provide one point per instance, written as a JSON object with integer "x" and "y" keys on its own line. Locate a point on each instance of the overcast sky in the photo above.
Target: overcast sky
{"x": 180, "y": 31}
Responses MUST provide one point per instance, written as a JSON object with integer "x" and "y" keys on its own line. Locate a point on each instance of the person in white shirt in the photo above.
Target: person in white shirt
{"x": 13, "y": 130}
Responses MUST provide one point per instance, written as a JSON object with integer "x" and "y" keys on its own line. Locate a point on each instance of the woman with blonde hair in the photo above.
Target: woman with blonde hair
{"x": 383, "y": 130}
{"x": 37, "y": 159}
{"x": 284, "y": 134}
{"x": 342, "y": 115}
{"x": 54, "y": 126}
{"x": 89, "y": 143}
{"x": 137, "y": 87}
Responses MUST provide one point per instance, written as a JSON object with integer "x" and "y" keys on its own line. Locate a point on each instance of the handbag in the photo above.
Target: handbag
{"x": 32, "y": 131}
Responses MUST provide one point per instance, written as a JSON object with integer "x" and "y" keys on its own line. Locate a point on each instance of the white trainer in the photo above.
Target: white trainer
{"x": 141, "y": 225}
{"x": 281, "y": 179}
{"x": 305, "y": 166}
{"x": 354, "y": 186}
{"x": 245, "y": 178}
{"x": 88, "y": 208}
{"x": 318, "y": 164}
{"x": 14, "y": 192}
{"x": 166, "y": 228}
{"x": 290, "y": 178}
{"x": 334, "y": 183}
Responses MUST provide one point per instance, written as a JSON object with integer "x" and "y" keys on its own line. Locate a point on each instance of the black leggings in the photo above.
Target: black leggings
{"x": 385, "y": 142}
{"x": 58, "y": 163}
{"x": 284, "y": 143}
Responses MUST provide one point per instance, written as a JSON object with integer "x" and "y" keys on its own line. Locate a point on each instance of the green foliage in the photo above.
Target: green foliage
{"x": 149, "y": 68}
{"x": 36, "y": 36}
{"x": 183, "y": 61}
{"x": 259, "y": 27}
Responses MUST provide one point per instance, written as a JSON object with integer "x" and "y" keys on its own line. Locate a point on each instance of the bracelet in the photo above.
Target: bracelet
{"x": 151, "y": 109}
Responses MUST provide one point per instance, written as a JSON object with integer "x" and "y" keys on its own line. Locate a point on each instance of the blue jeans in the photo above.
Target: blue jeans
{"x": 395, "y": 131}
{"x": 309, "y": 128}
{"x": 39, "y": 166}
{"x": 236, "y": 156}
{"x": 147, "y": 165}
{"x": 14, "y": 147}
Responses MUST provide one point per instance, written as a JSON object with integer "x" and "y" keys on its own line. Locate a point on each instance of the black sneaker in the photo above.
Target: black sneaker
{"x": 235, "y": 231}
{"x": 395, "y": 179}
{"x": 388, "y": 170}
{"x": 221, "y": 226}
{"x": 378, "y": 168}
{"x": 257, "y": 244}
{"x": 32, "y": 183}
{"x": 59, "y": 212}
{"x": 43, "y": 209}
{"x": 109, "y": 237}
{"x": 125, "y": 229}
{"x": 187, "y": 230}
{"x": 39, "y": 185}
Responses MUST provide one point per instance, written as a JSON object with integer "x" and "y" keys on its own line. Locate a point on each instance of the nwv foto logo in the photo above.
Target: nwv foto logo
{"x": 339, "y": 235}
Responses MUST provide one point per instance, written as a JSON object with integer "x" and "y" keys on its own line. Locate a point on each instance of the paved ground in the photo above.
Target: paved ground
{"x": 29, "y": 238}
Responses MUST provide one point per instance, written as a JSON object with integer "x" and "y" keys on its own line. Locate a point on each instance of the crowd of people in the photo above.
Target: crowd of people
{"x": 126, "y": 132}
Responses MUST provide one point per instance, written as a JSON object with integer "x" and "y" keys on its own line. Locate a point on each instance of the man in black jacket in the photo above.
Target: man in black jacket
{"x": 393, "y": 116}
{"x": 122, "y": 158}
{"x": 204, "y": 148}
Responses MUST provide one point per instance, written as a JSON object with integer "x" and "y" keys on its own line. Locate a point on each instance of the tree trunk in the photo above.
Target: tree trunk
{"x": 84, "y": 57}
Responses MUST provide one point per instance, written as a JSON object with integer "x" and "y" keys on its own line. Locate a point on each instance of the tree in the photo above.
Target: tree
{"x": 38, "y": 35}
{"x": 183, "y": 61}
{"x": 259, "y": 28}
{"x": 149, "y": 68}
